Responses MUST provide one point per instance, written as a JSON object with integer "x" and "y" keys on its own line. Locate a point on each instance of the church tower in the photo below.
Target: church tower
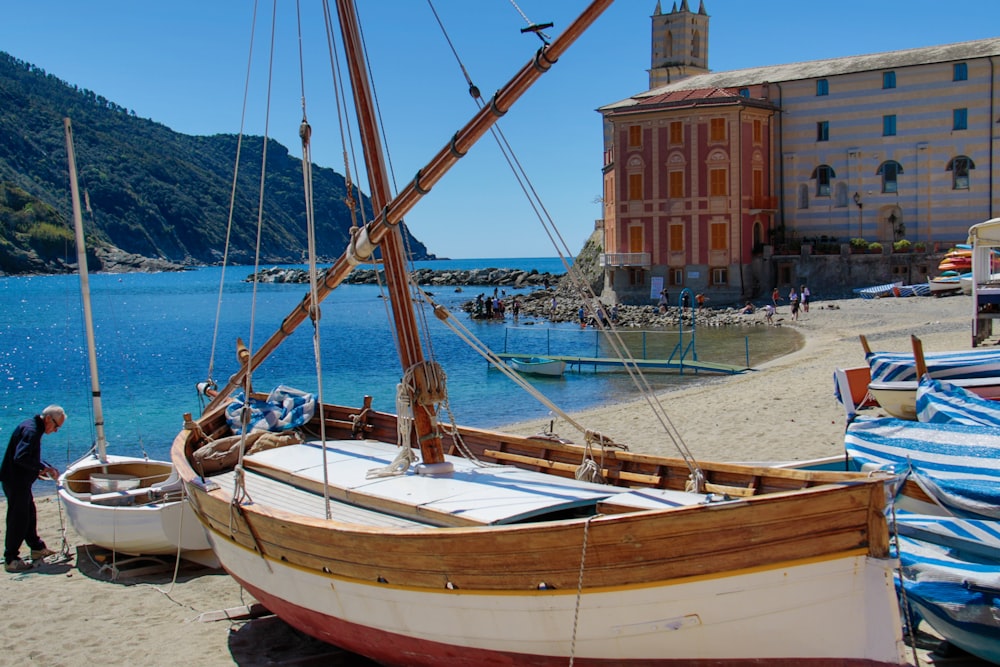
{"x": 680, "y": 43}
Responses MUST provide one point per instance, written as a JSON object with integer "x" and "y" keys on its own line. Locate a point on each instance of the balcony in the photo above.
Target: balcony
{"x": 761, "y": 203}
{"x": 624, "y": 259}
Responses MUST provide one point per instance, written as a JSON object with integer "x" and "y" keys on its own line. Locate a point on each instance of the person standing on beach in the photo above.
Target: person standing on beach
{"x": 775, "y": 297}
{"x": 793, "y": 301}
{"x": 22, "y": 465}
{"x": 804, "y": 298}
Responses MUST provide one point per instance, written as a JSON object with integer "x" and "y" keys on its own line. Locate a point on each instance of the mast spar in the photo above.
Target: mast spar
{"x": 88, "y": 315}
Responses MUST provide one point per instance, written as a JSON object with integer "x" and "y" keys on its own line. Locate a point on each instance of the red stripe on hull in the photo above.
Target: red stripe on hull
{"x": 395, "y": 650}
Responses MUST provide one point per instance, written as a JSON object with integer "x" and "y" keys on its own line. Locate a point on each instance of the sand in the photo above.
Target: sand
{"x": 71, "y": 613}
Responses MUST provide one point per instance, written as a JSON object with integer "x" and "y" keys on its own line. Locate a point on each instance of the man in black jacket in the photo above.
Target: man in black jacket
{"x": 22, "y": 465}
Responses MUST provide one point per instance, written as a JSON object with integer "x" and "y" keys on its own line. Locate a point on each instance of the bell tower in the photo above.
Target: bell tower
{"x": 680, "y": 43}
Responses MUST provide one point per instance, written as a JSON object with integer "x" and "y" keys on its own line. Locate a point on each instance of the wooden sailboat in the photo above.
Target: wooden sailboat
{"x": 130, "y": 505}
{"x": 502, "y": 549}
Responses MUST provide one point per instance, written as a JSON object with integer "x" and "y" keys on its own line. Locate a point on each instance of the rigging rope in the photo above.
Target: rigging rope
{"x": 315, "y": 312}
{"x": 232, "y": 205}
{"x": 581, "y": 287}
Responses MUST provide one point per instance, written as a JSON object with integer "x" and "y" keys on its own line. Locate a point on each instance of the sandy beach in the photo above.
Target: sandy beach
{"x": 72, "y": 613}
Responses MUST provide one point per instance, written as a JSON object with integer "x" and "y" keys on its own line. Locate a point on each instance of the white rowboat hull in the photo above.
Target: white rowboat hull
{"x": 151, "y": 520}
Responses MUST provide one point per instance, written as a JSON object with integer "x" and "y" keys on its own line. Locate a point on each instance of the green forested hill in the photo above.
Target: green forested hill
{"x": 154, "y": 192}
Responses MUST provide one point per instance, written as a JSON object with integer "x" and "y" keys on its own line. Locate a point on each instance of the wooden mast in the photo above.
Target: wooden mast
{"x": 411, "y": 354}
{"x": 391, "y": 214}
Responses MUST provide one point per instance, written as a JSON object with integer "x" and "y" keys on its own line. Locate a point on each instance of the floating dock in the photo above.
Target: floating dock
{"x": 680, "y": 365}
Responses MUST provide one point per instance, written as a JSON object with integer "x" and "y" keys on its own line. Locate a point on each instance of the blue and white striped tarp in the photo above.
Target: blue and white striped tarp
{"x": 942, "y": 402}
{"x": 899, "y": 366}
{"x": 972, "y": 537}
{"x": 920, "y": 289}
{"x": 956, "y": 464}
{"x": 877, "y": 291}
{"x": 955, "y": 591}
{"x": 284, "y": 409}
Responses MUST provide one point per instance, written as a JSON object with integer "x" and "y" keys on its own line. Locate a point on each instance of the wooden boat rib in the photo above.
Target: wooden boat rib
{"x": 149, "y": 513}
{"x": 497, "y": 549}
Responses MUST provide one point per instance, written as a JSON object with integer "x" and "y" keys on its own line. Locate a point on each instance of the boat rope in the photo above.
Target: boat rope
{"x": 404, "y": 429}
{"x": 484, "y": 351}
{"x": 579, "y": 587}
{"x": 580, "y": 285}
{"x": 209, "y": 382}
{"x": 343, "y": 122}
{"x": 315, "y": 310}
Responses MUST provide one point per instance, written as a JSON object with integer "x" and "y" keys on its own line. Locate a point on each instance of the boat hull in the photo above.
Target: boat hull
{"x": 539, "y": 366}
{"x": 719, "y": 620}
{"x": 899, "y": 399}
{"x": 152, "y": 519}
{"x": 702, "y": 583}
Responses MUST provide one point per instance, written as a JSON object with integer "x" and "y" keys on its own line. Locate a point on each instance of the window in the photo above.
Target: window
{"x": 960, "y": 119}
{"x": 676, "y": 277}
{"x": 889, "y": 170}
{"x": 676, "y": 132}
{"x": 720, "y": 276}
{"x": 717, "y": 182}
{"x": 757, "y": 187}
{"x": 634, "y": 136}
{"x": 803, "y": 201}
{"x": 822, "y": 87}
{"x": 823, "y": 175}
{"x": 676, "y": 184}
{"x": 717, "y": 234}
{"x": 635, "y": 238}
{"x": 636, "y": 277}
{"x": 635, "y": 187}
{"x": 717, "y": 129}
{"x": 823, "y": 130}
{"x": 758, "y": 131}
{"x": 676, "y": 238}
{"x": 745, "y": 93}
{"x": 960, "y": 72}
{"x": 959, "y": 167}
{"x": 889, "y": 126}
{"x": 888, "y": 79}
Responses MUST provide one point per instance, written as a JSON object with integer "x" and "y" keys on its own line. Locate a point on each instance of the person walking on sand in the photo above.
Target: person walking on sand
{"x": 22, "y": 465}
{"x": 793, "y": 301}
{"x": 775, "y": 297}
{"x": 804, "y": 298}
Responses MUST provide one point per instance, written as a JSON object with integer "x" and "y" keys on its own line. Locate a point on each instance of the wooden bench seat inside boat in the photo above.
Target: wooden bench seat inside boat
{"x": 470, "y": 496}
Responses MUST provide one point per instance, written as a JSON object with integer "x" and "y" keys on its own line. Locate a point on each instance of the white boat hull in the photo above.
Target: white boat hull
{"x": 899, "y": 399}
{"x": 725, "y": 619}
{"x": 150, "y": 520}
{"x": 539, "y": 366}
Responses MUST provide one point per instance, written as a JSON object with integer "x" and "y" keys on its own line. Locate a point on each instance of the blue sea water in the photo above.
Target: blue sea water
{"x": 155, "y": 333}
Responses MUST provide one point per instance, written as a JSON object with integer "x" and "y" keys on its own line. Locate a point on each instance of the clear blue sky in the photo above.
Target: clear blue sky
{"x": 183, "y": 63}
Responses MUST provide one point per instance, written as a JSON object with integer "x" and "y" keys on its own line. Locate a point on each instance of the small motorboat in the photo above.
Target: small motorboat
{"x": 538, "y": 366}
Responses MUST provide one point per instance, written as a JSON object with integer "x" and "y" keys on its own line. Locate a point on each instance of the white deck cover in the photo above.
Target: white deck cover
{"x": 485, "y": 495}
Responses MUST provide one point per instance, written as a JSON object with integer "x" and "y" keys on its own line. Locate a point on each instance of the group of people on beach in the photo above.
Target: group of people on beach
{"x": 798, "y": 301}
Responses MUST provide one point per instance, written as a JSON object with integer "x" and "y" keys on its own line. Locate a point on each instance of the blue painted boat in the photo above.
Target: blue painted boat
{"x": 950, "y": 579}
